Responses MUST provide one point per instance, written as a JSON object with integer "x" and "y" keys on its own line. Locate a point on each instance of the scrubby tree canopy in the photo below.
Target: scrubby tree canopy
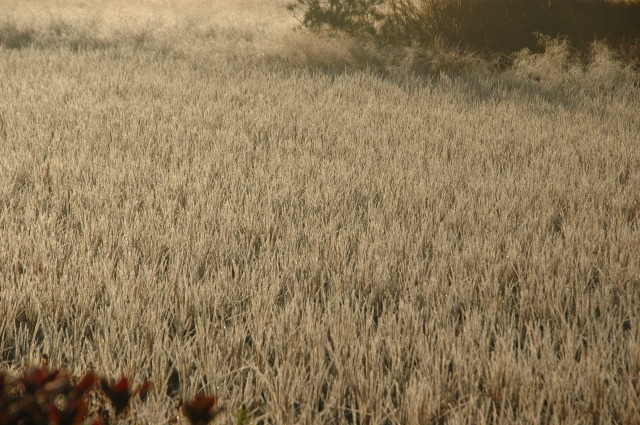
{"x": 492, "y": 25}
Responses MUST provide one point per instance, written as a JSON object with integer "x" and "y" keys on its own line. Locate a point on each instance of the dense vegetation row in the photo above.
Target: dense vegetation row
{"x": 483, "y": 25}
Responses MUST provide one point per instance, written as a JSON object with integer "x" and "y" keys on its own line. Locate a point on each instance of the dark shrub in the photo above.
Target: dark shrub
{"x": 483, "y": 25}
{"x": 352, "y": 16}
{"x": 510, "y": 25}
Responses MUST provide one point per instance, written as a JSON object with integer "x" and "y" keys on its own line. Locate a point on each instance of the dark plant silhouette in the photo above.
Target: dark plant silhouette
{"x": 495, "y": 26}
{"x": 202, "y": 410}
{"x": 120, "y": 393}
{"x": 42, "y": 396}
{"x": 353, "y": 16}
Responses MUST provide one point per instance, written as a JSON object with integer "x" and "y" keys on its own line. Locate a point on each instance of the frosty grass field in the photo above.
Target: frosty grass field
{"x": 200, "y": 194}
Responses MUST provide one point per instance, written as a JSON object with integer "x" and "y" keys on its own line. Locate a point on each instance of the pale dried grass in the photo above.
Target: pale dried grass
{"x": 323, "y": 246}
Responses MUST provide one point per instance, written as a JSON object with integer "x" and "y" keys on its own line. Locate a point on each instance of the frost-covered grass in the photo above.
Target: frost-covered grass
{"x": 313, "y": 228}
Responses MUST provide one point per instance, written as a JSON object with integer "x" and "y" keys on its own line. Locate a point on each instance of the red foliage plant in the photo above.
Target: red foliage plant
{"x": 43, "y": 396}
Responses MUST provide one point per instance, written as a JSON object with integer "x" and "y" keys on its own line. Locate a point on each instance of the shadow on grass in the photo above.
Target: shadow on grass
{"x": 12, "y": 36}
